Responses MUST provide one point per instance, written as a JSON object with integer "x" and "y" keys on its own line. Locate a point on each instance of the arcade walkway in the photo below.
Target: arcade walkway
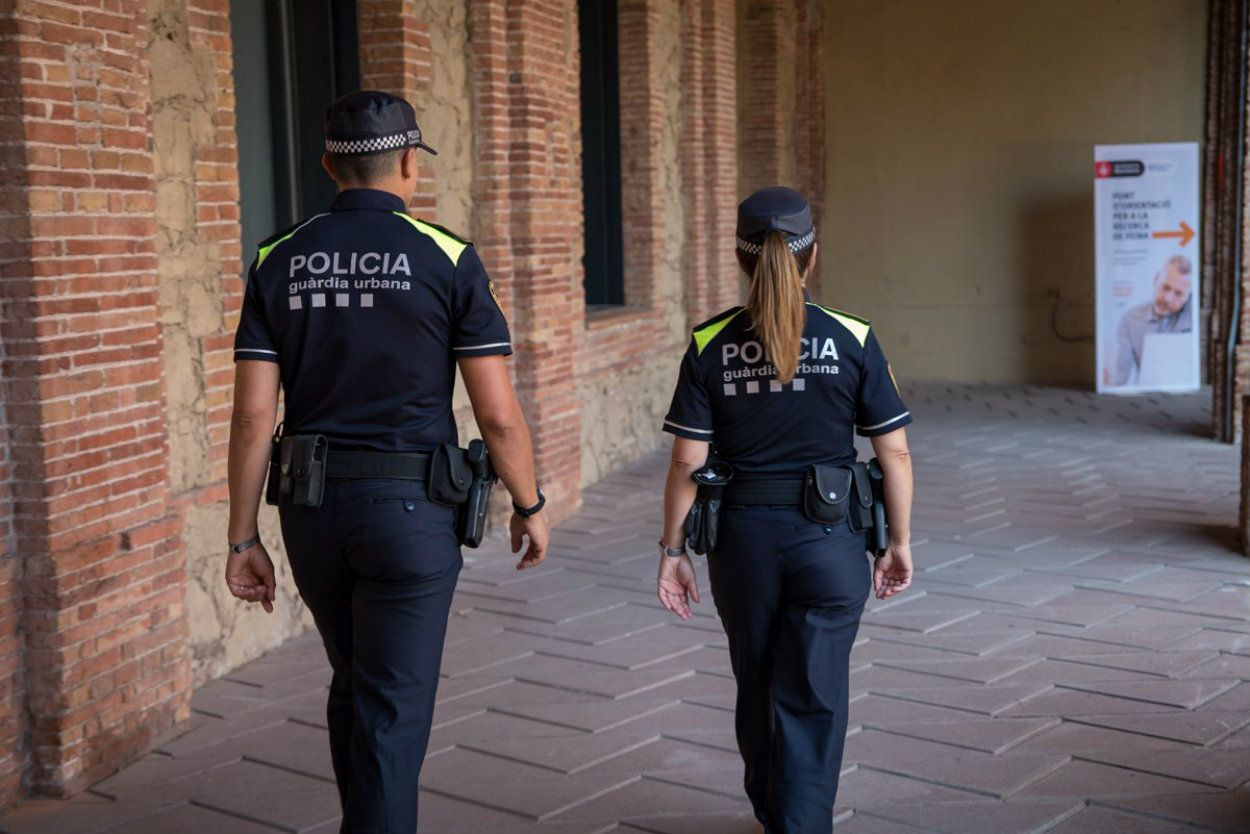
{"x": 1074, "y": 657}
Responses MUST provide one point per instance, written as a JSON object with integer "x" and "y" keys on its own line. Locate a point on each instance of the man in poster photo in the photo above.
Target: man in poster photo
{"x": 1169, "y": 311}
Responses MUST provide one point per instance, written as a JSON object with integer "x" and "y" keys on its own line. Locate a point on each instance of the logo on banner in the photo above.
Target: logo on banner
{"x": 1125, "y": 168}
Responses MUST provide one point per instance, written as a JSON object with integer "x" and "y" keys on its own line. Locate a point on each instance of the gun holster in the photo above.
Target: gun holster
{"x": 471, "y": 517}
{"x": 302, "y": 472}
{"x": 880, "y": 521}
{"x": 462, "y": 479}
{"x": 703, "y": 520}
{"x": 273, "y": 487}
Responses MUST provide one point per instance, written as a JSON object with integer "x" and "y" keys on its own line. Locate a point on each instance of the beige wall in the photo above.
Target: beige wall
{"x": 959, "y": 139}
{"x": 186, "y": 98}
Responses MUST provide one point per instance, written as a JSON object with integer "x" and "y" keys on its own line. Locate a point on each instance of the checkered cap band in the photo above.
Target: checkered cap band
{"x": 797, "y": 245}
{"x": 374, "y": 143}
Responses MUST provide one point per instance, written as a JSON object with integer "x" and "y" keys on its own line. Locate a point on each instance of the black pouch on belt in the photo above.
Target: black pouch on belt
{"x": 859, "y": 515}
{"x": 826, "y": 493}
{"x": 703, "y": 520}
{"x": 304, "y": 468}
{"x": 450, "y": 476}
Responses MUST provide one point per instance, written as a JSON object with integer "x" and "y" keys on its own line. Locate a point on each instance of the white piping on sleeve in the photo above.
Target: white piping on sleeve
{"x": 479, "y": 347}
{"x": 686, "y": 428}
{"x": 886, "y": 423}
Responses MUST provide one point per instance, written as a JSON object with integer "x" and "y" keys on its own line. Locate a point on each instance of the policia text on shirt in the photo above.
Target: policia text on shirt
{"x": 361, "y": 315}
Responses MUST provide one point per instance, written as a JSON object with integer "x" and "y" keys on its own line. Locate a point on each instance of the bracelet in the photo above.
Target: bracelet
{"x": 671, "y": 552}
{"x": 245, "y": 546}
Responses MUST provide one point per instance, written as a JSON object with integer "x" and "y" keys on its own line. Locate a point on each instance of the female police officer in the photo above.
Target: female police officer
{"x": 777, "y": 387}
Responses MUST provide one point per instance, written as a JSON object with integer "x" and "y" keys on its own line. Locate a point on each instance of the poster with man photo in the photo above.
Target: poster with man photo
{"x": 1146, "y": 233}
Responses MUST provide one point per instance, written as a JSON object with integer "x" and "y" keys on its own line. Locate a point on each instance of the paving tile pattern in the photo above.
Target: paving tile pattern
{"x": 1074, "y": 657}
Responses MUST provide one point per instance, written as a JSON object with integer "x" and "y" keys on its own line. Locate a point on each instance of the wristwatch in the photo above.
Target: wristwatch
{"x": 526, "y": 512}
{"x": 671, "y": 552}
{"x": 246, "y": 545}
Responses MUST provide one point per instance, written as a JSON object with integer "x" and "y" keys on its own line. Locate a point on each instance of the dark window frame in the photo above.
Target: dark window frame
{"x": 313, "y": 57}
{"x": 603, "y": 261}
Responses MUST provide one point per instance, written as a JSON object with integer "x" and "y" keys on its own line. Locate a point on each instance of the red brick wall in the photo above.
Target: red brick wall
{"x": 13, "y": 750}
{"x": 527, "y": 193}
{"x": 15, "y": 247}
{"x": 105, "y": 651}
{"x": 395, "y": 57}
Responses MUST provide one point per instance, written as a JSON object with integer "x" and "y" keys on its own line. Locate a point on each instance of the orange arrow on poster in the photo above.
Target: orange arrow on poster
{"x": 1185, "y": 233}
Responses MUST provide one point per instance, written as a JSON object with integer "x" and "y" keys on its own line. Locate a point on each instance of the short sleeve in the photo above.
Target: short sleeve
{"x": 479, "y": 328}
{"x": 690, "y": 414}
{"x": 880, "y": 409}
{"x": 253, "y": 339}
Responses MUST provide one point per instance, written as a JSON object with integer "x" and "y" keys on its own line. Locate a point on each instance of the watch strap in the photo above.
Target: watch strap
{"x": 526, "y": 512}
{"x": 245, "y": 545}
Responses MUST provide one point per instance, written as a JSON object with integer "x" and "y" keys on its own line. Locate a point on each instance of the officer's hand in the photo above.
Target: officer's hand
{"x": 676, "y": 585}
{"x": 535, "y": 529}
{"x": 249, "y": 576}
{"x": 892, "y": 573}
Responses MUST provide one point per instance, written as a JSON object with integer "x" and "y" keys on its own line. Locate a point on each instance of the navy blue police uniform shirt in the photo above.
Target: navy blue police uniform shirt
{"x": 727, "y": 394}
{"x": 366, "y": 310}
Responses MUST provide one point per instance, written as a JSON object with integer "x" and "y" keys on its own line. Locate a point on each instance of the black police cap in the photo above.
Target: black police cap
{"x": 778, "y": 209}
{"x": 370, "y": 121}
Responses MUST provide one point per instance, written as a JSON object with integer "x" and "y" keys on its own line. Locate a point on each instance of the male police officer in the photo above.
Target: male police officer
{"x": 362, "y": 314}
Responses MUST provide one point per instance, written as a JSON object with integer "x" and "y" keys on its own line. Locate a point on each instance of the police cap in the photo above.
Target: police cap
{"x": 370, "y": 121}
{"x": 772, "y": 209}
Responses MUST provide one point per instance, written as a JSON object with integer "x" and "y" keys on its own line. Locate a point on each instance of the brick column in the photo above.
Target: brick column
{"x": 709, "y": 157}
{"x": 527, "y": 190}
{"x": 1219, "y": 232}
{"x": 106, "y": 668}
{"x": 720, "y": 118}
{"x": 809, "y": 112}
{"x": 768, "y": 46}
{"x": 395, "y": 57}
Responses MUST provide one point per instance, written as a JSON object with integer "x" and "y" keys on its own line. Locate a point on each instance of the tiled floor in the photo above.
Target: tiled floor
{"x": 1074, "y": 657}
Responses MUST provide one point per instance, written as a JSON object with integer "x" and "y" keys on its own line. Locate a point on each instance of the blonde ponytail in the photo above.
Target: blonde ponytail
{"x": 775, "y": 303}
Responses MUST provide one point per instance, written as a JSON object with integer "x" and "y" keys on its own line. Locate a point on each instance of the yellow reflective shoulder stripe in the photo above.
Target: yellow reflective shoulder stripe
{"x": 263, "y": 252}
{"x": 448, "y": 243}
{"x": 858, "y": 327}
{"x": 706, "y": 334}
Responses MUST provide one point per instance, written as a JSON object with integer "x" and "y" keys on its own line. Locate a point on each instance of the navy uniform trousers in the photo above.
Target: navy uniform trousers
{"x": 377, "y": 564}
{"x": 789, "y": 594}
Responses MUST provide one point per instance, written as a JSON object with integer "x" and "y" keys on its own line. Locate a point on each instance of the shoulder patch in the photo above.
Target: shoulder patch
{"x": 451, "y": 244}
{"x": 267, "y": 245}
{"x": 708, "y": 330}
{"x": 859, "y": 327}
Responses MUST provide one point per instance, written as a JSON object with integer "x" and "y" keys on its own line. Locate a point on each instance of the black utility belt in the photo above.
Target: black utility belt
{"x": 826, "y": 495}
{"x": 299, "y": 465}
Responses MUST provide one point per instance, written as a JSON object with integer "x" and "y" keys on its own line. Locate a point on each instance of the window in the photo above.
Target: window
{"x": 601, "y": 153}
{"x": 291, "y": 59}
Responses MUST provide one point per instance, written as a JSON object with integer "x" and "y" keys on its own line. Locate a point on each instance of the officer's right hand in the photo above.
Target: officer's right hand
{"x": 249, "y": 576}
{"x": 535, "y": 529}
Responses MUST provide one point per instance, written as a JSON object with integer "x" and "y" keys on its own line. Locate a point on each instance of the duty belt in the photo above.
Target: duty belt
{"x": 407, "y": 466}
{"x": 787, "y": 491}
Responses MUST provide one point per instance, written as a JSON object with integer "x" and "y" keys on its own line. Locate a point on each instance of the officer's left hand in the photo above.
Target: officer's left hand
{"x": 249, "y": 576}
{"x": 676, "y": 585}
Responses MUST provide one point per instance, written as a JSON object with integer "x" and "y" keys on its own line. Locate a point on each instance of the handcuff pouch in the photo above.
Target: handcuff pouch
{"x": 826, "y": 493}
{"x": 303, "y": 469}
{"x": 450, "y": 476}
